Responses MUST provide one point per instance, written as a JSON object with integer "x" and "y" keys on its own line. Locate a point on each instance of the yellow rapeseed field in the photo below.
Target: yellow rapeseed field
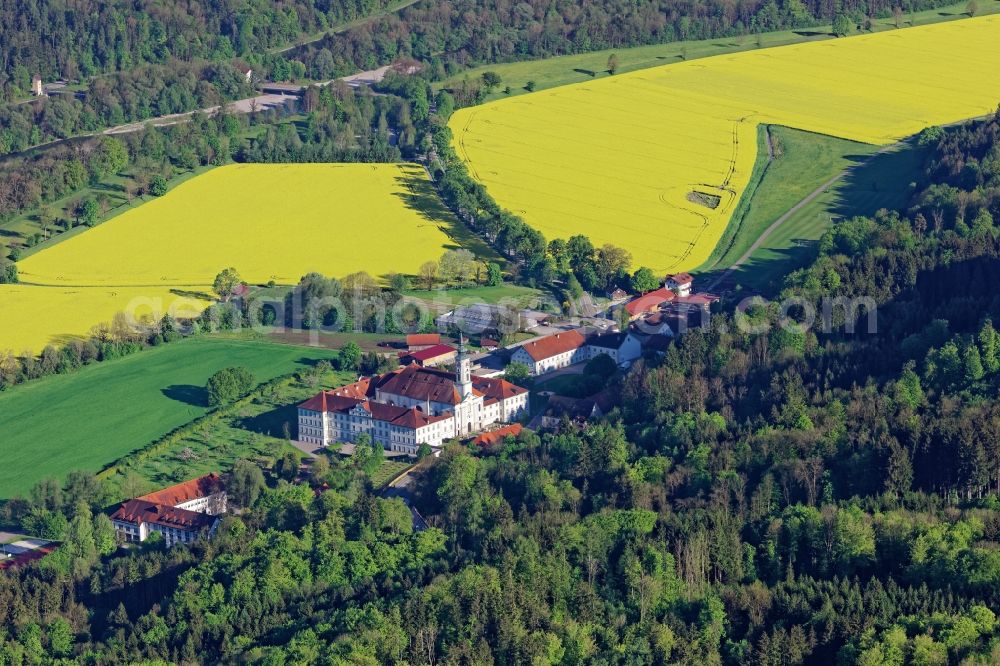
{"x": 618, "y": 159}
{"x": 269, "y": 221}
{"x": 36, "y": 316}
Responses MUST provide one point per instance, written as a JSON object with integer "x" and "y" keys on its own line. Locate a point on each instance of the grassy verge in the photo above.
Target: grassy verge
{"x": 389, "y": 470}
{"x": 254, "y": 428}
{"x": 737, "y": 229}
{"x": 101, "y": 413}
{"x": 884, "y": 181}
{"x": 576, "y": 68}
{"x": 802, "y": 162}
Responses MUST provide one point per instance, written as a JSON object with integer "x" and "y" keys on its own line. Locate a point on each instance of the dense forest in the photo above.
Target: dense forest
{"x": 765, "y": 493}
{"x": 79, "y": 39}
{"x": 467, "y": 32}
{"x": 340, "y": 124}
{"x": 135, "y": 95}
{"x": 144, "y": 59}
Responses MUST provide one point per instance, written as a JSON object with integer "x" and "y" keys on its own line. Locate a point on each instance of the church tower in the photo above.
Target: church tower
{"x": 463, "y": 370}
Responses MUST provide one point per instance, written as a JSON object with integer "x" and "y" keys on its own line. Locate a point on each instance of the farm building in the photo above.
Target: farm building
{"x": 552, "y": 352}
{"x": 621, "y": 347}
{"x": 680, "y": 283}
{"x": 418, "y": 341}
{"x": 430, "y": 357}
{"x": 560, "y": 350}
{"x": 648, "y": 303}
{"x": 618, "y": 295}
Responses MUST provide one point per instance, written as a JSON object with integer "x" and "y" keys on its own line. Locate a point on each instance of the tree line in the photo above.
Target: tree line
{"x": 453, "y": 36}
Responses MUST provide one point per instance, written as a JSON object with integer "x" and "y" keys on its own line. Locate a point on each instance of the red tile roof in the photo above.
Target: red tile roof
{"x": 419, "y": 339}
{"x": 432, "y": 352}
{"x": 422, "y": 384}
{"x": 649, "y": 302}
{"x": 327, "y": 401}
{"x": 495, "y": 388}
{"x": 699, "y": 299}
{"x": 137, "y": 511}
{"x": 194, "y": 489}
{"x": 681, "y": 278}
{"x": 411, "y": 417}
{"x": 540, "y": 349}
{"x": 497, "y": 436}
{"x": 27, "y": 556}
{"x": 413, "y": 381}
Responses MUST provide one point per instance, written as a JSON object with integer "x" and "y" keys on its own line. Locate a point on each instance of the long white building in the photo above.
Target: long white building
{"x": 411, "y": 406}
{"x": 560, "y": 350}
{"x": 181, "y": 513}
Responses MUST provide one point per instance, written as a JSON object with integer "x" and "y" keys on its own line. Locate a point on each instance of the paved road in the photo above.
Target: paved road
{"x": 247, "y": 105}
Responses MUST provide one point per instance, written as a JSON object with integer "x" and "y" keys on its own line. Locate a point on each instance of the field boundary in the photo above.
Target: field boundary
{"x": 761, "y": 165}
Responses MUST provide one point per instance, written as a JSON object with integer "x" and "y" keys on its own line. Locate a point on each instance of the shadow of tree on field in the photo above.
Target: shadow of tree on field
{"x": 883, "y": 181}
{"x": 189, "y": 394}
{"x": 187, "y": 293}
{"x": 271, "y": 423}
{"x": 588, "y": 72}
{"x": 418, "y": 194}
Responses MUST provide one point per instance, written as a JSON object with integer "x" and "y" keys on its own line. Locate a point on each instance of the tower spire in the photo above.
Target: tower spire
{"x": 463, "y": 369}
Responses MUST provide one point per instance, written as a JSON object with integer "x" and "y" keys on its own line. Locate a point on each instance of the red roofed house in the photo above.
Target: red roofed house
{"x": 552, "y": 352}
{"x": 418, "y": 341}
{"x": 430, "y": 357}
{"x": 679, "y": 283}
{"x": 694, "y": 302}
{"x": 411, "y": 406}
{"x": 206, "y": 494}
{"x": 181, "y": 513}
{"x": 647, "y": 303}
{"x": 496, "y": 436}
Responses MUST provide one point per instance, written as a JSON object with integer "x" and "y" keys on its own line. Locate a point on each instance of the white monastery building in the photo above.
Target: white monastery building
{"x": 566, "y": 348}
{"x": 181, "y": 513}
{"x": 411, "y": 406}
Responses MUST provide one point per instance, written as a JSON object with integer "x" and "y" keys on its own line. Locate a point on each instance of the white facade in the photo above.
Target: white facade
{"x": 132, "y": 532}
{"x": 550, "y": 363}
{"x": 401, "y": 421}
{"x": 620, "y": 347}
{"x": 628, "y": 349}
{"x": 181, "y": 513}
{"x": 680, "y": 283}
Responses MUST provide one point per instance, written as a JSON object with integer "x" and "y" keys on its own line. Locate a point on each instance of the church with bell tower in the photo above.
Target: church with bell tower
{"x": 412, "y": 405}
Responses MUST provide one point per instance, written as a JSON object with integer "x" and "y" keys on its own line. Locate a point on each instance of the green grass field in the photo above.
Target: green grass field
{"x": 389, "y": 470}
{"x": 92, "y": 417}
{"x": 884, "y": 181}
{"x": 802, "y": 162}
{"x": 561, "y": 70}
{"x": 254, "y": 432}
